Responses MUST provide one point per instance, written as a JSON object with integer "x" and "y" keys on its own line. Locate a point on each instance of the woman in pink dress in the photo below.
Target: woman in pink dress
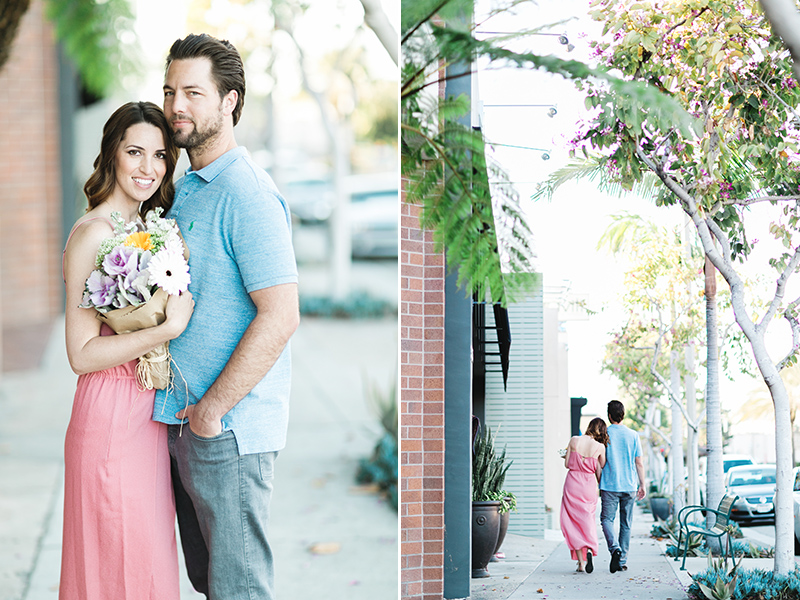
{"x": 119, "y": 512}
{"x": 585, "y": 459}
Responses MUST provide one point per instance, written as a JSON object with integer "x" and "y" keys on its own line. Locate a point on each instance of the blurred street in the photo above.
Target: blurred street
{"x": 332, "y": 538}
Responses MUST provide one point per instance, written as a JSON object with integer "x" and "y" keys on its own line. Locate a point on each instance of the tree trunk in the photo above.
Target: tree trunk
{"x": 693, "y": 490}
{"x": 676, "y": 450}
{"x": 784, "y": 517}
{"x": 376, "y": 20}
{"x": 714, "y": 474}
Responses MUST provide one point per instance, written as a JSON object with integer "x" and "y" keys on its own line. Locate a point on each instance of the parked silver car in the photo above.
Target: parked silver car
{"x": 755, "y": 486}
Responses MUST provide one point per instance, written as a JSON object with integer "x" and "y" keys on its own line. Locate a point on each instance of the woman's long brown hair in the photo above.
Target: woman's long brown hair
{"x": 597, "y": 430}
{"x": 101, "y": 182}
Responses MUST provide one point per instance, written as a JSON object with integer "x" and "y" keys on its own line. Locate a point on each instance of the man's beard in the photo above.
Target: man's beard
{"x": 196, "y": 138}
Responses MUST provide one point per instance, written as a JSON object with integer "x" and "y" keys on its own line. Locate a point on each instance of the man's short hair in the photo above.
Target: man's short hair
{"x": 616, "y": 411}
{"x": 227, "y": 69}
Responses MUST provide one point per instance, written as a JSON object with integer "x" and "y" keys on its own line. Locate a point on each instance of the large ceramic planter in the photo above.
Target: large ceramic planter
{"x": 661, "y": 508}
{"x": 501, "y": 535}
{"x": 485, "y": 532}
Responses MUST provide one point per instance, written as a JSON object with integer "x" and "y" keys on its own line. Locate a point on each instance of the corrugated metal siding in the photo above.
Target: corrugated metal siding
{"x": 517, "y": 415}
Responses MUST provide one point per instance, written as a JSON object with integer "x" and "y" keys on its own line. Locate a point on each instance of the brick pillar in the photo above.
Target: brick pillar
{"x": 30, "y": 176}
{"x": 422, "y": 275}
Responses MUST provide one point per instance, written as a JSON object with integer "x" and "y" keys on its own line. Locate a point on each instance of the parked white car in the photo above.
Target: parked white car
{"x": 755, "y": 486}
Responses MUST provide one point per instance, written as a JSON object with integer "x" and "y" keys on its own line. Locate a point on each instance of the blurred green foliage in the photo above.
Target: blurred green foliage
{"x": 98, "y": 36}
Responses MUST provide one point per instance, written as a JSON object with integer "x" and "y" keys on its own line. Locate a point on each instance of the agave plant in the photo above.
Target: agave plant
{"x": 664, "y": 529}
{"x": 722, "y": 589}
{"x": 488, "y": 469}
{"x": 697, "y": 546}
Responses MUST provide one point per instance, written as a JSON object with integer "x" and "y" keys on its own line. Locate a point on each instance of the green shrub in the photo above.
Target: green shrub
{"x": 358, "y": 305}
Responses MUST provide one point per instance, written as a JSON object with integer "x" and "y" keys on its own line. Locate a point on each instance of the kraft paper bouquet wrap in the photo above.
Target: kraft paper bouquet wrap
{"x": 137, "y": 269}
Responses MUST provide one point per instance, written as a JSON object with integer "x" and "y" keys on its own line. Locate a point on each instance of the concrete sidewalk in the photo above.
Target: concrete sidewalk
{"x": 542, "y": 568}
{"x": 316, "y": 503}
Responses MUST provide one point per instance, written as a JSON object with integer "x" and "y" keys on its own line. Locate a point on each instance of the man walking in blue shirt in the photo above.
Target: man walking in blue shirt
{"x": 232, "y": 361}
{"x": 618, "y": 485}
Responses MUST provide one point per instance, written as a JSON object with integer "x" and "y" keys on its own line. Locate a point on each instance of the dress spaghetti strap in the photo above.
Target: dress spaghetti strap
{"x": 74, "y": 229}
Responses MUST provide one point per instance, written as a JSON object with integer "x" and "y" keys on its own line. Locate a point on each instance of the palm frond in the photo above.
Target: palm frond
{"x": 595, "y": 168}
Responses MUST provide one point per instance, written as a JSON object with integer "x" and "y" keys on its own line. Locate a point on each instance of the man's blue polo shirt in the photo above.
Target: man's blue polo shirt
{"x": 619, "y": 474}
{"x": 238, "y": 230}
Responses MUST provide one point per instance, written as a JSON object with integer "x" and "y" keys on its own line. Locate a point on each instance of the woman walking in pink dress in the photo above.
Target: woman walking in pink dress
{"x": 585, "y": 459}
{"x": 119, "y": 512}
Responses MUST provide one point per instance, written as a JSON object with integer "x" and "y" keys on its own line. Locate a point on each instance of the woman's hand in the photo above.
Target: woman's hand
{"x": 179, "y": 311}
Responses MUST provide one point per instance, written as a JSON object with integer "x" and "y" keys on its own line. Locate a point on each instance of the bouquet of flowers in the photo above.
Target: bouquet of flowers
{"x": 137, "y": 269}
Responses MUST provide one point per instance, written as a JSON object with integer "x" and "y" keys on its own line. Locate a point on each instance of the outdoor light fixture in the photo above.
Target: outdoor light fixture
{"x": 562, "y": 37}
{"x": 545, "y": 153}
{"x": 552, "y": 111}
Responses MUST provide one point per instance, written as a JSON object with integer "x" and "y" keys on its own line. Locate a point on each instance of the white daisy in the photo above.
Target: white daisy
{"x": 169, "y": 271}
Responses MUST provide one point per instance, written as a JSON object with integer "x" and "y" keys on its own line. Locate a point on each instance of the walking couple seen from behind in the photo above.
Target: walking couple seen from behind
{"x": 609, "y": 458}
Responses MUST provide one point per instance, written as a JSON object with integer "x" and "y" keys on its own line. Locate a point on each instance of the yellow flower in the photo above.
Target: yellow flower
{"x": 139, "y": 239}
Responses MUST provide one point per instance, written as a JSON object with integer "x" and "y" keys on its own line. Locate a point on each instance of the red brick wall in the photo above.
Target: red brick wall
{"x": 422, "y": 410}
{"x": 30, "y": 176}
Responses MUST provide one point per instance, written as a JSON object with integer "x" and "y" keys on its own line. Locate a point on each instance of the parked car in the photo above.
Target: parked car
{"x": 796, "y": 507}
{"x": 728, "y": 461}
{"x": 374, "y": 214}
{"x": 735, "y": 460}
{"x": 374, "y": 210}
{"x": 755, "y": 486}
{"x": 310, "y": 200}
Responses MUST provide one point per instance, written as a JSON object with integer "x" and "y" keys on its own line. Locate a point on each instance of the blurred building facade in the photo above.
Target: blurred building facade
{"x": 31, "y": 179}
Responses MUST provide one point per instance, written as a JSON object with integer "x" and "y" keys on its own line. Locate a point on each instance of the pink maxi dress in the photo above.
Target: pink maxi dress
{"x": 578, "y": 506}
{"x": 119, "y": 510}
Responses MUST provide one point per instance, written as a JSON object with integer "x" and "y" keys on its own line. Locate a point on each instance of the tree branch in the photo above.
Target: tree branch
{"x": 790, "y": 314}
{"x": 780, "y": 289}
{"x": 424, "y": 20}
{"x": 660, "y": 378}
{"x": 749, "y": 201}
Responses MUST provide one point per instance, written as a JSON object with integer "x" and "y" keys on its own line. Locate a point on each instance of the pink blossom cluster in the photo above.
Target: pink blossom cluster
{"x": 725, "y": 189}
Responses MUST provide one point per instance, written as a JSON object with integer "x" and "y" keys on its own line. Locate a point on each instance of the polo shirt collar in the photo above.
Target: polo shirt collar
{"x": 209, "y": 172}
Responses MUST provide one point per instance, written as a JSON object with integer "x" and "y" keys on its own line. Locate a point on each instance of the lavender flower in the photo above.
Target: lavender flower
{"x": 100, "y": 290}
{"x": 122, "y": 260}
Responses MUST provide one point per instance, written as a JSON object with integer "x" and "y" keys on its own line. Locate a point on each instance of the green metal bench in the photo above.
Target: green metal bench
{"x": 717, "y": 530}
